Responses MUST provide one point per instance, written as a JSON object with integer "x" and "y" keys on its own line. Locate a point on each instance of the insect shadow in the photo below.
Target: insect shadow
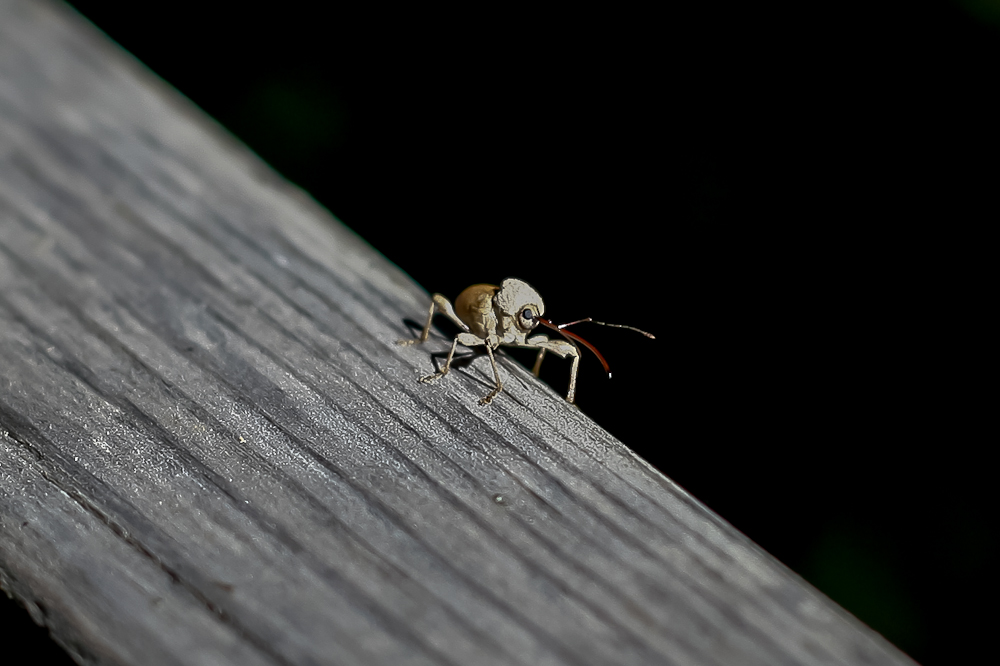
{"x": 448, "y": 330}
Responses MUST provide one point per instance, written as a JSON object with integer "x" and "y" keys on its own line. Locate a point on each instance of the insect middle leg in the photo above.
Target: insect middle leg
{"x": 538, "y": 362}
{"x": 469, "y": 340}
{"x": 429, "y": 379}
{"x": 496, "y": 376}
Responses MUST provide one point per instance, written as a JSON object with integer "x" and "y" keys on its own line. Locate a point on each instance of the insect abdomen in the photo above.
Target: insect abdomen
{"x": 474, "y": 306}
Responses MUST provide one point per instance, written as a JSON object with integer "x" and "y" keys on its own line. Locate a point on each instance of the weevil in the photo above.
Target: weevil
{"x": 491, "y": 316}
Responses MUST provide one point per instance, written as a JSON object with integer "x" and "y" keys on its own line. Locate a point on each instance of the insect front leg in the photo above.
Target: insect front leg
{"x": 562, "y": 349}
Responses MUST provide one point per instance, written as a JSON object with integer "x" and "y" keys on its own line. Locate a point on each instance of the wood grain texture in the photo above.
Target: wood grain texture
{"x": 213, "y": 452}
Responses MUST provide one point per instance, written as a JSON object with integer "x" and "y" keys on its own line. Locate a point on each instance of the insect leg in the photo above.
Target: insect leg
{"x": 562, "y": 349}
{"x": 438, "y": 304}
{"x": 571, "y": 394}
{"x": 426, "y": 331}
{"x": 538, "y": 362}
{"x": 445, "y": 307}
{"x": 496, "y": 375}
{"x": 447, "y": 365}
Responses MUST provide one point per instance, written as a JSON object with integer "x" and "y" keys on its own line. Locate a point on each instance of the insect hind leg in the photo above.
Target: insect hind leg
{"x": 438, "y": 304}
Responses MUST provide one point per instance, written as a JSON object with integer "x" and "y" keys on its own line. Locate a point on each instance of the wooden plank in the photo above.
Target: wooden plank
{"x": 212, "y": 451}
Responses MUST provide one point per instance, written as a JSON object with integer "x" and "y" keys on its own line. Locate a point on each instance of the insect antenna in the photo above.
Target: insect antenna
{"x": 573, "y": 337}
{"x": 594, "y": 321}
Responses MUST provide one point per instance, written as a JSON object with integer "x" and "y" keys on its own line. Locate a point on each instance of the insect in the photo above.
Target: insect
{"x": 492, "y": 316}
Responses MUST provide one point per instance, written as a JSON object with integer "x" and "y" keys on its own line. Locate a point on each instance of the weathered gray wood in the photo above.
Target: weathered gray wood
{"x": 212, "y": 451}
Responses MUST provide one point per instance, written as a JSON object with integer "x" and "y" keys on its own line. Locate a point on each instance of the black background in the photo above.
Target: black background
{"x": 788, "y": 198}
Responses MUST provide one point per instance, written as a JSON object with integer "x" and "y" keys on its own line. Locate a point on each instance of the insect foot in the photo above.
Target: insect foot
{"x": 488, "y": 399}
{"x": 430, "y": 379}
{"x": 490, "y": 316}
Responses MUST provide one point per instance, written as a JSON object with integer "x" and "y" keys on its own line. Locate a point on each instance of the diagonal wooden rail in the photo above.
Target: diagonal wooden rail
{"x": 213, "y": 452}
